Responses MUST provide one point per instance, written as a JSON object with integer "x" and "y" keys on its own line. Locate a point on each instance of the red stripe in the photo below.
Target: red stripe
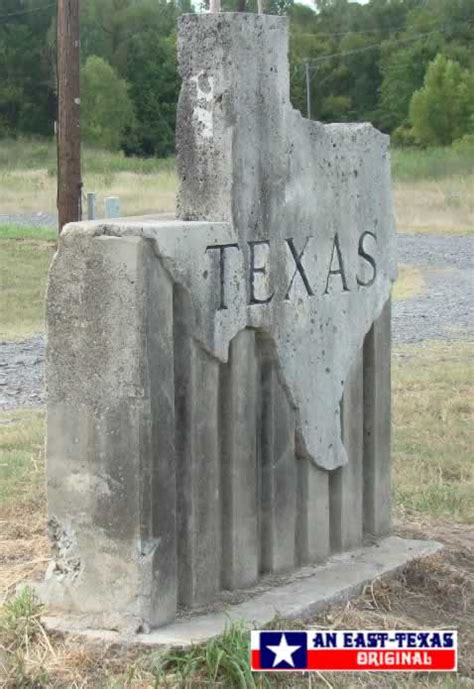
{"x": 255, "y": 659}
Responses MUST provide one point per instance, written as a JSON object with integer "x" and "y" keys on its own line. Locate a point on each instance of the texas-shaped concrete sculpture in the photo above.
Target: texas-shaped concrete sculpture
{"x": 219, "y": 384}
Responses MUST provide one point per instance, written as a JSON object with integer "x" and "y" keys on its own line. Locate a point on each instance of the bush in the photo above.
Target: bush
{"x": 443, "y": 109}
{"x": 404, "y": 136}
{"x": 465, "y": 145}
{"x": 106, "y": 109}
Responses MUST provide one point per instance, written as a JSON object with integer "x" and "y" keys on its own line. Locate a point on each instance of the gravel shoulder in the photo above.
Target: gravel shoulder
{"x": 31, "y": 220}
{"x": 22, "y": 373}
{"x": 444, "y": 310}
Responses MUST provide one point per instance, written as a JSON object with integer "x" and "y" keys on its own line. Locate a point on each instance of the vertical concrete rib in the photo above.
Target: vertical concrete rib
{"x": 312, "y": 532}
{"x": 196, "y": 399}
{"x": 278, "y": 494}
{"x": 238, "y": 421}
{"x": 159, "y": 356}
{"x": 377, "y": 426}
{"x": 346, "y": 483}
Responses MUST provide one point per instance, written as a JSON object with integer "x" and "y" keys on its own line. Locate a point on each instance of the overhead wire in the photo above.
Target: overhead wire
{"x": 29, "y": 11}
{"x": 372, "y": 46}
{"x": 388, "y": 29}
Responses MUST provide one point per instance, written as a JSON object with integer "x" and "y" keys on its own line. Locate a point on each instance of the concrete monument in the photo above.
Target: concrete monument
{"x": 219, "y": 385}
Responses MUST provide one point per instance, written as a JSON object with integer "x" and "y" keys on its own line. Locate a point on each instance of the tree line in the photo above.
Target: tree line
{"x": 404, "y": 65}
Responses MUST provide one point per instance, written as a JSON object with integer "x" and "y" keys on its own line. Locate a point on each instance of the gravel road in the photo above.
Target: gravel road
{"x": 444, "y": 310}
{"x": 21, "y": 373}
{"x": 31, "y": 220}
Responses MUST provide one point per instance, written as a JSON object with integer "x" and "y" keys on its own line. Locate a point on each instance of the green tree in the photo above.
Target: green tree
{"x": 403, "y": 69}
{"x": 27, "y": 98}
{"x": 106, "y": 108}
{"x": 443, "y": 109}
{"x": 154, "y": 89}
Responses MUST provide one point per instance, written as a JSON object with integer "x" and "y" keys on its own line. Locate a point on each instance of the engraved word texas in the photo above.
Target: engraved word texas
{"x": 258, "y": 268}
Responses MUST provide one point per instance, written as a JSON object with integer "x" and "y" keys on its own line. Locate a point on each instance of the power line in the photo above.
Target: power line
{"x": 307, "y": 64}
{"x": 366, "y": 31}
{"x": 369, "y": 47}
{"x": 30, "y": 11}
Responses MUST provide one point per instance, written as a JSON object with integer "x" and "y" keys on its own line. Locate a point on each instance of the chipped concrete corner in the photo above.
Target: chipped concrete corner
{"x": 219, "y": 385}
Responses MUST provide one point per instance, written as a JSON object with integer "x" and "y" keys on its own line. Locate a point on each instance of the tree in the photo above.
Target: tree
{"x": 443, "y": 109}
{"x": 154, "y": 89}
{"x": 403, "y": 69}
{"x": 27, "y": 98}
{"x": 106, "y": 107}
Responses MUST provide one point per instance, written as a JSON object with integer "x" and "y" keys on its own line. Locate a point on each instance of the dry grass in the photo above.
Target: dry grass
{"x": 33, "y": 191}
{"x": 433, "y": 188}
{"x": 23, "y": 543}
{"x": 433, "y": 430}
{"x": 436, "y": 592}
{"x": 409, "y": 284}
{"x": 23, "y": 272}
{"x": 444, "y": 206}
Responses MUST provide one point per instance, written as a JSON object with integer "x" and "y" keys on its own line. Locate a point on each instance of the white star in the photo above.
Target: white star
{"x": 283, "y": 652}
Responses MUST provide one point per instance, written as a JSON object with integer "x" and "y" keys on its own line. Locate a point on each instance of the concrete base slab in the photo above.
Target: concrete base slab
{"x": 303, "y": 594}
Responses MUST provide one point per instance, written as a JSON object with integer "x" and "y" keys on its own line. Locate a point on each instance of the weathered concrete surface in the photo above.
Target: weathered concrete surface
{"x": 110, "y": 434}
{"x": 246, "y": 157}
{"x": 377, "y": 512}
{"x": 308, "y": 591}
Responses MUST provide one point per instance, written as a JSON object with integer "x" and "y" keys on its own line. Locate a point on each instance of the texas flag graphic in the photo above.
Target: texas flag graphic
{"x": 348, "y": 650}
{"x": 280, "y": 651}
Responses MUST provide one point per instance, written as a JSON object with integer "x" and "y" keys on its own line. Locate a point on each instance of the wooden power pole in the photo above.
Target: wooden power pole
{"x": 69, "y": 106}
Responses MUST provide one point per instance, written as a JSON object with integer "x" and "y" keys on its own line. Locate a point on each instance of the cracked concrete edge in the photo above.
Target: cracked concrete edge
{"x": 342, "y": 577}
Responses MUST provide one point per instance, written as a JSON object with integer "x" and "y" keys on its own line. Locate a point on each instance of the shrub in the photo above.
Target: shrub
{"x": 443, "y": 109}
{"x": 106, "y": 109}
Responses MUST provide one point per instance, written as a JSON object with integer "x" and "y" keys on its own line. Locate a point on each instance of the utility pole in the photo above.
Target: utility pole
{"x": 69, "y": 120}
{"x": 308, "y": 90}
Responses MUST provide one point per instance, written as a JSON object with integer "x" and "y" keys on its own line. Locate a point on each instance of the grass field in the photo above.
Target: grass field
{"x": 432, "y": 189}
{"x": 25, "y": 255}
{"x": 28, "y": 179}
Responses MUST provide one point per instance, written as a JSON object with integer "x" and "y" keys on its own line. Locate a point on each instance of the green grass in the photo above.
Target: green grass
{"x": 27, "y": 232}
{"x": 25, "y": 255}
{"x": 21, "y": 454}
{"x": 223, "y": 661}
{"x": 410, "y": 164}
{"x": 20, "y": 629}
{"x": 407, "y": 163}
{"x": 19, "y": 619}
{"x": 36, "y": 154}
